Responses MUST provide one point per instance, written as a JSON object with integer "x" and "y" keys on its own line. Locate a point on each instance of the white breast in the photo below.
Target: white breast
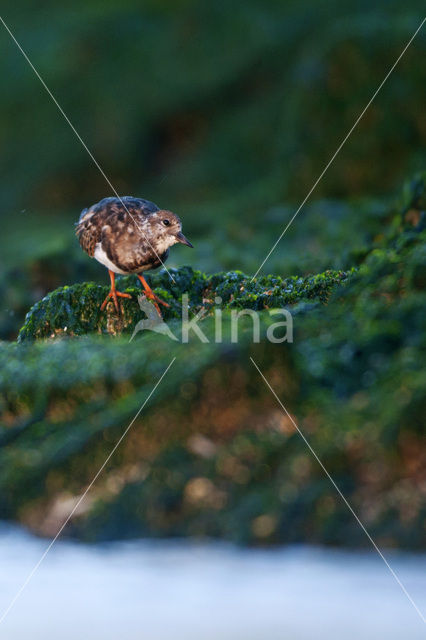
{"x": 102, "y": 257}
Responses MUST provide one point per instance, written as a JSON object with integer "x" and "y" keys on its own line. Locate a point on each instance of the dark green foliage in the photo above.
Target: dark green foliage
{"x": 361, "y": 398}
{"x": 239, "y": 102}
{"x": 229, "y": 123}
{"x": 226, "y": 113}
{"x": 213, "y": 454}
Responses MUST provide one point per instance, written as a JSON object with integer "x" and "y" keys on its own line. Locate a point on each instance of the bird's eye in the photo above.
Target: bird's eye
{"x": 166, "y": 222}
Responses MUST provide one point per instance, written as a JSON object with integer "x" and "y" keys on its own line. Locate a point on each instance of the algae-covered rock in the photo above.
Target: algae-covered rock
{"x": 221, "y": 131}
{"x": 213, "y": 454}
{"x": 75, "y": 310}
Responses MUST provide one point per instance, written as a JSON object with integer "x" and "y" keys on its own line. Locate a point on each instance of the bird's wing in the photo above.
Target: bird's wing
{"x": 89, "y": 230}
{"x": 120, "y": 226}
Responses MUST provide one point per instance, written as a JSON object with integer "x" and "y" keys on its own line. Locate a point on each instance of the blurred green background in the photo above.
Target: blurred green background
{"x": 225, "y": 113}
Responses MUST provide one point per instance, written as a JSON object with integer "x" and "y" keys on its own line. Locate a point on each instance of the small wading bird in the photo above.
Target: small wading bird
{"x": 129, "y": 235}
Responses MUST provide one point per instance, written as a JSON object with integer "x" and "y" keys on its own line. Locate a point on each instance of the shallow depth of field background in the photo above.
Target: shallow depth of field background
{"x": 225, "y": 113}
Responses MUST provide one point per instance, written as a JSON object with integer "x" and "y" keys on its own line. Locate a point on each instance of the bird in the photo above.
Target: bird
{"x": 129, "y": 235}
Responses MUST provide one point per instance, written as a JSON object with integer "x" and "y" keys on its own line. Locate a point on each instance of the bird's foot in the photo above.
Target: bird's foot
{"x": 150, "y": 295}
{"x": 114, "y": 294}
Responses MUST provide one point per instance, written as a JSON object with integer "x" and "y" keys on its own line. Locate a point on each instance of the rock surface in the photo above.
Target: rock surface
{"x": 213, "y": 454}
{"x": 75, "y": 310}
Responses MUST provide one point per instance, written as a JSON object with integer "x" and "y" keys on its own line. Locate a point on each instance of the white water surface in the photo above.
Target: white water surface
{"x": 184, "y": 591}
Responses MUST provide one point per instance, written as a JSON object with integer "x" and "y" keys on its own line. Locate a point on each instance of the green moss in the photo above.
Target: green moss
{"x": 239, "y": 138}
{"x": 413, "y": 194}
{"x": 75, "y": 310}
{"x": 354, "y": 378}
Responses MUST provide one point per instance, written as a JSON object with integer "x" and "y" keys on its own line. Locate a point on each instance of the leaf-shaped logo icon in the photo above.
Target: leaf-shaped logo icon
{"x": 152, "y": 322}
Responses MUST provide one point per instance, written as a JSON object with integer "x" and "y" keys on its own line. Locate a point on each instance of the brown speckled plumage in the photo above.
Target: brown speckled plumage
{"x": 133, "y": 240}
{"x": 128, "y": 235}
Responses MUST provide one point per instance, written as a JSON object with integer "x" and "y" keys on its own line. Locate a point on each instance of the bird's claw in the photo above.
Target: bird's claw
{"x": 150, "y": 295}
{"x": 114, "y": 295}
{"x": 155, "y": 298}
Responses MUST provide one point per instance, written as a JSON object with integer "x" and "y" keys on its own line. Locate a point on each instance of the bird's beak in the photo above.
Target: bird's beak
{"x": 181, "y": 238}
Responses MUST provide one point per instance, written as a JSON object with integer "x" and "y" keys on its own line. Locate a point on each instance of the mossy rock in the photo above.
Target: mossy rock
{"x": 75, "y": 310}
{"x": 213, "y": 456}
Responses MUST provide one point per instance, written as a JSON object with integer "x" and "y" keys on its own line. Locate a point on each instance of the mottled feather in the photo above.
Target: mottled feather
{"x": 127, "y": 233}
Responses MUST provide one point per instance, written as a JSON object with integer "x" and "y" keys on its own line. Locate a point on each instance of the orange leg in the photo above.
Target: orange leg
{"x": 114, "y": 294}
{"x": 151, "y": 295}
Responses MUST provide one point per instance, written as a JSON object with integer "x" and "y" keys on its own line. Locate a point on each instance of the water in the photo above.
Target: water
{"x": 163, "y": 590}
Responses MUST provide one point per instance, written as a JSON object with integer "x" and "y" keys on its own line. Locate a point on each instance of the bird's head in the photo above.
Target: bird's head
{"x": 167, "y": 229}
